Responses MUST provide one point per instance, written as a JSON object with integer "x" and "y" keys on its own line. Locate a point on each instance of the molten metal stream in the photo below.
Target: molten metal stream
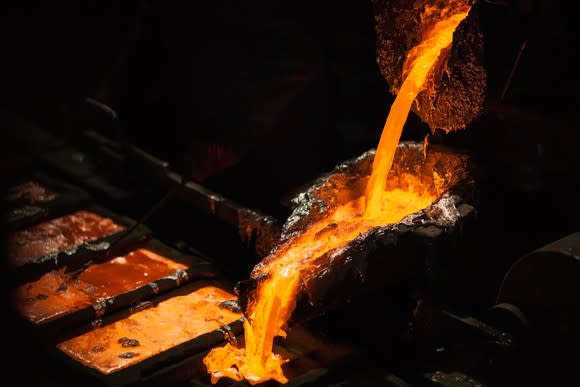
{"x": 422, "y": 57}
{"x": 275, "y": 297}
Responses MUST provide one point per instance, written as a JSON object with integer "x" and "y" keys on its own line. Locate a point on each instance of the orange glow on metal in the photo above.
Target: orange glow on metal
{"x": 420, "y": 61}
{"x": 57, "y": 293}
{"x": 146, "y": 333}
{"x": 275, "y": 297}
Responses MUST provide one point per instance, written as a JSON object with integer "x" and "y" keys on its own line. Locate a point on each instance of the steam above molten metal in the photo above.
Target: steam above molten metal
{"x": 283, "y": 270}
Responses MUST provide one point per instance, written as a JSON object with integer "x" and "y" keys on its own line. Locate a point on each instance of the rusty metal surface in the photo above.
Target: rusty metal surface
{"x": 459, "y": 80}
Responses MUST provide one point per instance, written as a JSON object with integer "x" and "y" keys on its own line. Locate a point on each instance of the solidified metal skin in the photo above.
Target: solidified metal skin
{"x": 100, "y": 307}
{"x": 346, "y": 182}
{"x": 179, "y": 276}
{"x": 29, "y": 192}
{"x": 231, "y": 305}
{"x": 128, "y": 355}
{"x": 455, "y": 90}
{"x": 154, "y": 287}
{"x": 26, "y": 211}
{"x": 175, "y": 326}
{"x": 383, "y": 255}
{"x": 127, "y": 342}
{"x": 229, "y": 335}
{"x": 98, "y": 246}
{"x": 43, "y": 241}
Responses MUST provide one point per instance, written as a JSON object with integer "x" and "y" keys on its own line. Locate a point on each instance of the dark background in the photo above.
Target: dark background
{"x": 283, "y": 91}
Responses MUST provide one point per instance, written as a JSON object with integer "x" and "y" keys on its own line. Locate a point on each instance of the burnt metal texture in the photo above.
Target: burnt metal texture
{"x": 77, "y": 256}
{"x": 196, "y": 269}
{"x": 455, "y": 91}
{"x": 389, "y": 257}
{"x": 174, "y": 366}
{"x": 24, "y": 207}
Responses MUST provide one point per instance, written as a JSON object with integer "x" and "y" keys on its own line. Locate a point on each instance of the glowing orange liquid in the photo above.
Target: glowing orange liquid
{"x": 426, "y": 54}
{"x": 276, "y": 295}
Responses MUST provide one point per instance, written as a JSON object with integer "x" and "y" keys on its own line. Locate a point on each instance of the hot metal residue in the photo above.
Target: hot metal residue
{"x": 152, "y": 331}
{"x": 56, "y": 235}
{"x": 128, "y": 355}
{"x": 127, "y": 342}
{"x": 29, "y": 192}
{"x": 179, "y": 277}
{"x": 100, "y": 307}
{"x": 66, "y": 292}
{"x": 229, "y": 335}
{"x": 99, "y": 246}
{"x": 23, "y": 212}
{"x": 231, "y": 305}
{"x": 154, "y": 287}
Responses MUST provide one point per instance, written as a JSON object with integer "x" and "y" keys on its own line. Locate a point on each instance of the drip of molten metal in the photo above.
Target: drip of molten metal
{"x": 267, "y": 315}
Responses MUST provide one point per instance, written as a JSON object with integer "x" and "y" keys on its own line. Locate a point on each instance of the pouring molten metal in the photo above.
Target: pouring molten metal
{"x": 360, "y": 206}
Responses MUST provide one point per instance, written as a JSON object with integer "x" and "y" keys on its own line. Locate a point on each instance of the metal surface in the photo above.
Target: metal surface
{"x": 197, "y": 269}
{"x": 545, "y": 279}
{"x": 391, "y": 256}
{"x": 75, "y": 257}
